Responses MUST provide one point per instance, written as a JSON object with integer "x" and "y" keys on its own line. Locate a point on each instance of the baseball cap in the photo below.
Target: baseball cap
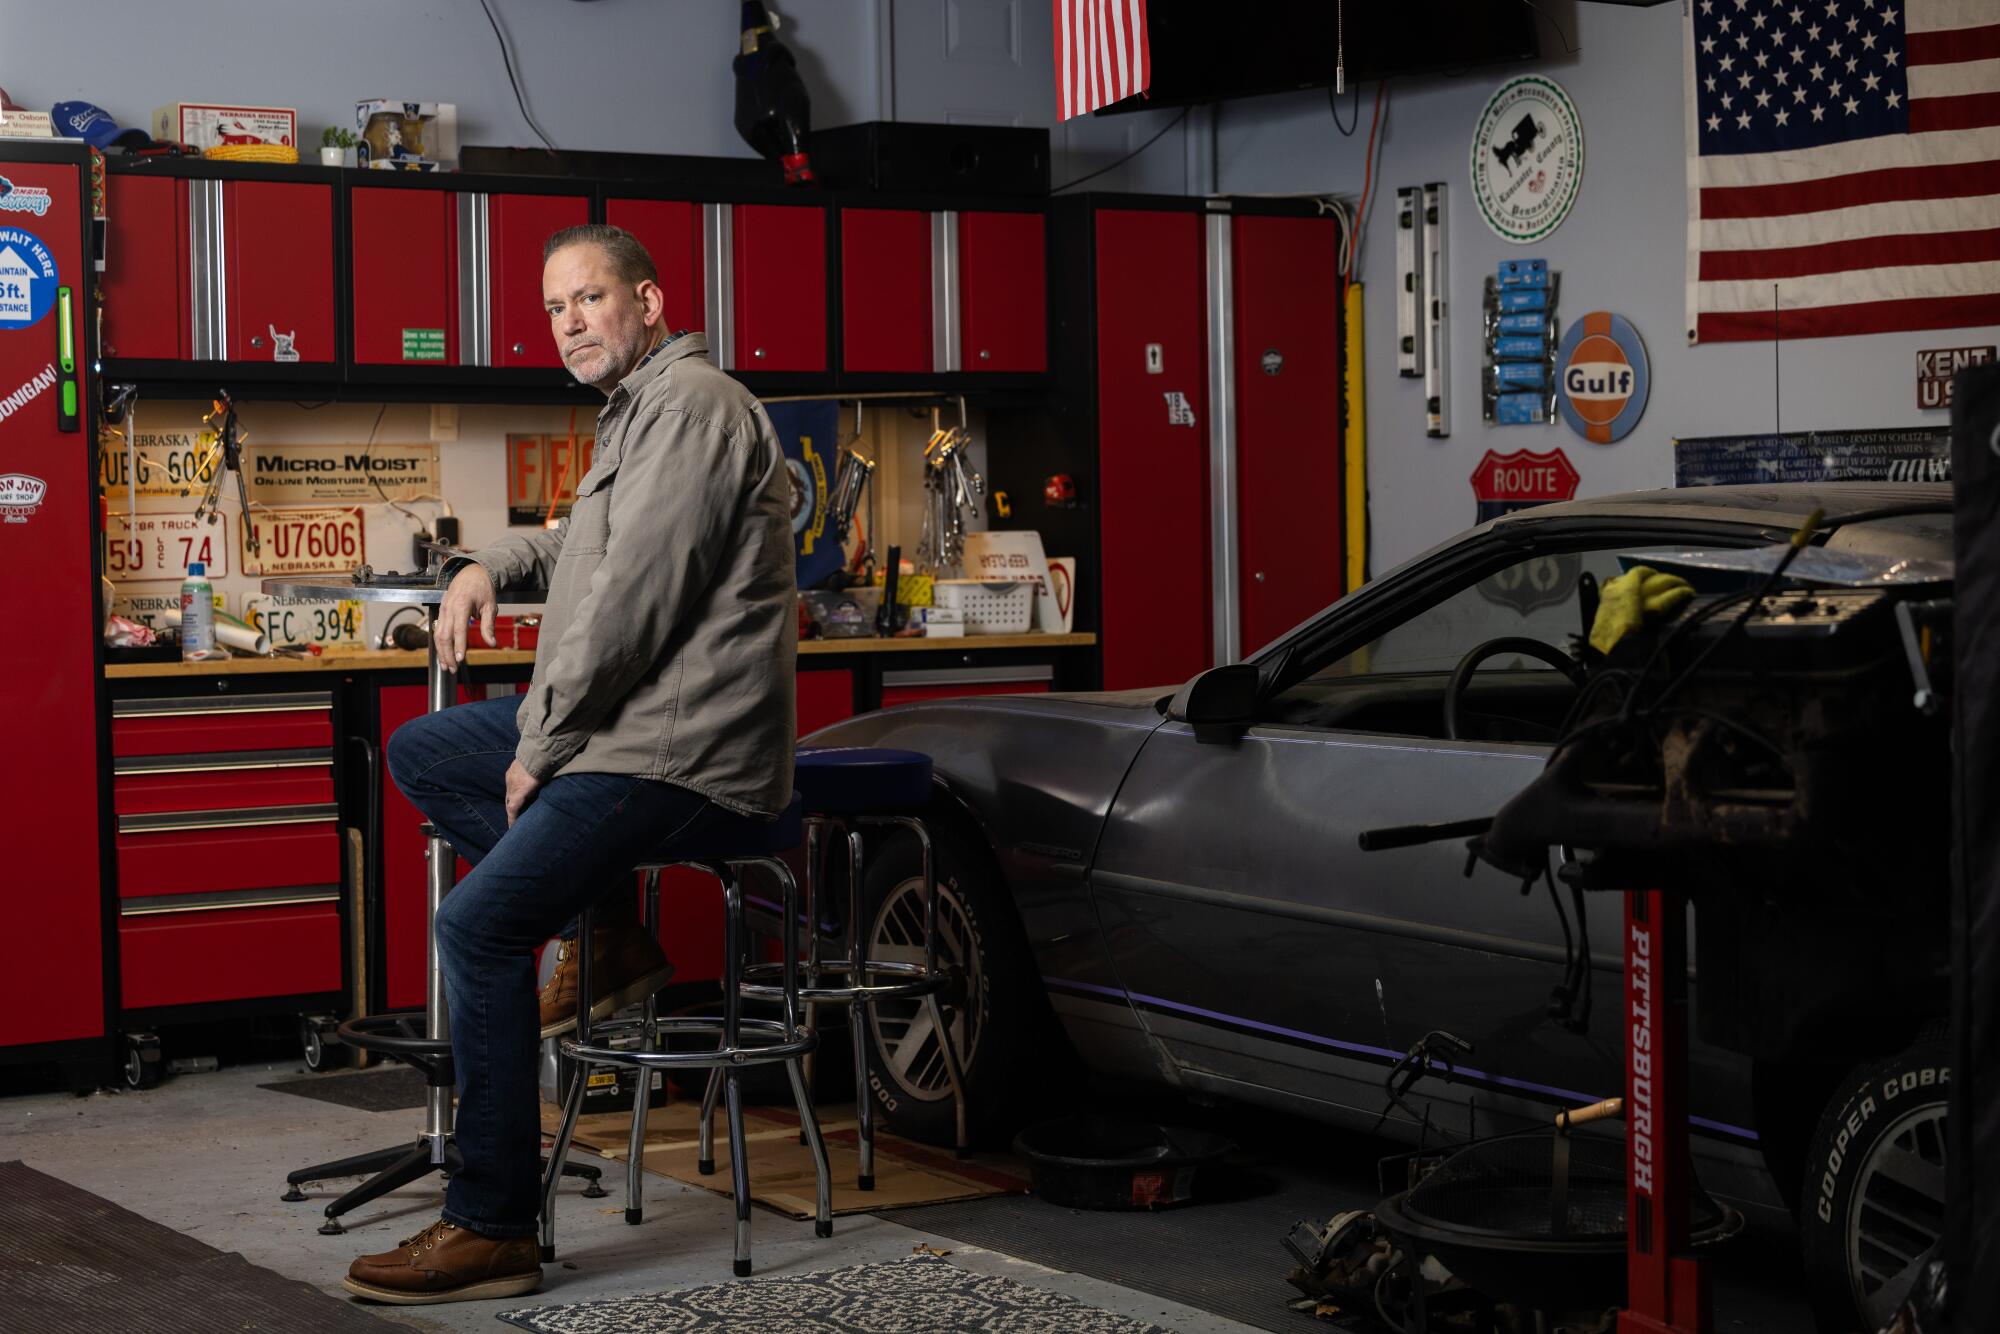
{"x": 93, "y": 124}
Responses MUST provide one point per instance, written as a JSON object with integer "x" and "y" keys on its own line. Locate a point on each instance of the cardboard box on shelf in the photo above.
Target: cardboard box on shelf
{"x": 407, "y": 136}
{"x": 210, "y": 125}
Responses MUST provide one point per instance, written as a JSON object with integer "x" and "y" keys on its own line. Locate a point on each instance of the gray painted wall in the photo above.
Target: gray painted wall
{"x": 1621, "y": 249}
{"x": 653, "y": 75}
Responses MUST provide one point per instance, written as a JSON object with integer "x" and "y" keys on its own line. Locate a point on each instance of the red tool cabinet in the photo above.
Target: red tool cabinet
{"x": 1211, "y": 345}
{"x": 206, "y": 269}
{"x": 519, "y": 225}
{"x": 1003, "y": 291}
{"x": 403, "y": 263}
{"x": 228, "y": 850}
{"x": 885, "y": 279}
{"x": 779, "y": 283}
{"x": 670, "y": 229}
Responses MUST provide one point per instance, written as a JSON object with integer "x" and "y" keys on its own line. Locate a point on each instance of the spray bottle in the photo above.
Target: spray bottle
{"x": 197, "y": 615}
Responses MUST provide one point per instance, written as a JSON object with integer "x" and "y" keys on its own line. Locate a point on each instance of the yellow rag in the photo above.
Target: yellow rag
{"x": 1626, "y": 601}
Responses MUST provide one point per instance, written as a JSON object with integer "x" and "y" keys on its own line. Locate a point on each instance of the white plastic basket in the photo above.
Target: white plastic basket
{"x": 989, "y": 608}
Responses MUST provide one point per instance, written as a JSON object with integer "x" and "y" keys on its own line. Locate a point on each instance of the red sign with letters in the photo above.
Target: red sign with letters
{"x": 1506, "y": 482}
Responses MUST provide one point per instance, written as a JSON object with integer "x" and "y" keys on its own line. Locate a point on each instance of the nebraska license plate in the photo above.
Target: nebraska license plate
{"x": 314, "y": 541}
{"x": 162, "y": 546}
{"x": 295, "y": 622}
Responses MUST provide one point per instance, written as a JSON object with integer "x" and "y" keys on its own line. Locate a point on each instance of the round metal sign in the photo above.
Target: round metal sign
{"x": 1602, "y": 377}
{"x": 1527, "y": 158}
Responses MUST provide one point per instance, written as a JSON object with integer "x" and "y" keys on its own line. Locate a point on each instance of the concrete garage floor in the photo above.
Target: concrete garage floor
{"x": 207, "y": 1154}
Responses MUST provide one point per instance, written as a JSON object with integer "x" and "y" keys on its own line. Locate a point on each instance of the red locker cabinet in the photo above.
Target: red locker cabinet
{"x": 778, "y": 278}
{"x": 403, "y": 253}
{"x": 229, "y": 853}
{"x": 145, "y": 282}
{"x": 1003, "y": 291}
{"x": 885, "y": 284}
{"x": 278, "y": 256}
{"x": 219, "y": 270}
{"x": 1287, "y": 375}
{"x": 1152, "y": 385}
{"x": 52, "y": 989}
{"x": 670, "y": 229}
{"x": 518, "y": 227}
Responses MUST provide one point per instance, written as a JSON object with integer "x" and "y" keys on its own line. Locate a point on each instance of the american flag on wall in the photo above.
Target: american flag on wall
{"x": 1101, "y": 54}
{"x": 1845, "y": 153}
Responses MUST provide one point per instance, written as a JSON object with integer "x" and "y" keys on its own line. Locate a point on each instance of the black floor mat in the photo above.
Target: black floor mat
{"x": 392, "y": 1090}
{"x": 75, "y": 1263}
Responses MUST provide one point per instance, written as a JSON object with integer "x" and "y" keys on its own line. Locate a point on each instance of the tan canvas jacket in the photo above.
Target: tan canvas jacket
{"x": 669, "y": 640}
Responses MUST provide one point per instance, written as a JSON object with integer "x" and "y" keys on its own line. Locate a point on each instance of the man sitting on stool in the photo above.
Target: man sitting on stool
{"x": 661, "y": 705}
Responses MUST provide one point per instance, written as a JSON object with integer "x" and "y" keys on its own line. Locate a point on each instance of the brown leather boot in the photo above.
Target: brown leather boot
{"x": 446, "y": 1263}
{"x": 626, "y": 966}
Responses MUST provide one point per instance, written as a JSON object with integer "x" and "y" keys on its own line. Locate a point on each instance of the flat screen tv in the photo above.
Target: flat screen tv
{"x": 1211, "y": 50}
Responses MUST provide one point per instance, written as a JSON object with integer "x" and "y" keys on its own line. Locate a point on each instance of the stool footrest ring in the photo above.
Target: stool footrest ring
{"x": 401, "y": 1035}
{"x": 773, "y": 1042}
{"x": 919, "y": 982}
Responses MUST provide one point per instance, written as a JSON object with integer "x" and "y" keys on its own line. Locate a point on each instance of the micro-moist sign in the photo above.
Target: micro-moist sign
{"x": 1602, "y": 377}
{"x": 27, "y": 278}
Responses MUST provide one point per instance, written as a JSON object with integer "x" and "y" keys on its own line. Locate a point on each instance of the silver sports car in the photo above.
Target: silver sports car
{"x": 1194, "y": 910}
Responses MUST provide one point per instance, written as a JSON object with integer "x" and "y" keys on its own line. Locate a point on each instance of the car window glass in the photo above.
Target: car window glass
{"x": 1395, "y": 684}
{"x": 1535, "y": 598}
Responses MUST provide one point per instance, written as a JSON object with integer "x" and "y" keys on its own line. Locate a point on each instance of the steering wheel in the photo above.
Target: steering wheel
{"x": 1461, "y": 675}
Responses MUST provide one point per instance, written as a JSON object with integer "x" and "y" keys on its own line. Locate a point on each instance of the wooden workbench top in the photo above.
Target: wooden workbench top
{"x": 414, "y": 659}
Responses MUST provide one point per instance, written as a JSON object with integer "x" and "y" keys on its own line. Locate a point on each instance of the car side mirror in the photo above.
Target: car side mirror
{"x": 1219, "y": 703}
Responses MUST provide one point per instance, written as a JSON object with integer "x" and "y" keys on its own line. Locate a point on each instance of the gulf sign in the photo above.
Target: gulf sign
{"x": 1602, "y": 377}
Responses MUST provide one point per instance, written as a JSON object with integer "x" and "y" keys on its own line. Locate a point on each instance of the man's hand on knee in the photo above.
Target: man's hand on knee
{"x": 521, "y": 789}
{"x": 469, "y": 598}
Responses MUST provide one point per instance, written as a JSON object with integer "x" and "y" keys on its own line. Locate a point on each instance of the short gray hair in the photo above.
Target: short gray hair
{"x": 629, "y": 260}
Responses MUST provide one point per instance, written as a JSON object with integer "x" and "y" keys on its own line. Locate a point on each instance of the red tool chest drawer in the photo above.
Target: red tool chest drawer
{"x": 959, "y": 682}
{"x": 188, "y": 958}
{"x": 231, "y": 854}
{"x": 184, "y": 726}
{"x": 149, "y": 785}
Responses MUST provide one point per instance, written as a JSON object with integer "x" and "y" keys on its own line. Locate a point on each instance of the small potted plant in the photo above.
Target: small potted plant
{"x": 336, "y": 147}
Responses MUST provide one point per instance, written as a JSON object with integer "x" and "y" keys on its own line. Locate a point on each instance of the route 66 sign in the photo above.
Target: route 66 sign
{"x": 1503, "y": 483}
{"x": 1527, "y": 158}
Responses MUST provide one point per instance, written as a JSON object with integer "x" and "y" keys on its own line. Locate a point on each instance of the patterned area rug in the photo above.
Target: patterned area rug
{"x": 920, "y": 1293}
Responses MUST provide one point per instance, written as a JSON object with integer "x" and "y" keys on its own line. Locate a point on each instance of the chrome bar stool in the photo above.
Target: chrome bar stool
{"x": 846, "y": 790}
{"x": 724, "y": 853}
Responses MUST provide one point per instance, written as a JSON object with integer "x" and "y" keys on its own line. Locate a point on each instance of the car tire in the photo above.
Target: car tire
{"x": 1872, "y": 1200}
{"x": 996, "y": 1008}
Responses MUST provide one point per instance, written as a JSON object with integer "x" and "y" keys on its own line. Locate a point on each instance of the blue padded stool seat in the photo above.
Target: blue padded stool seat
{"x": 860, "y": 780}
{"x": 745, "y": 836}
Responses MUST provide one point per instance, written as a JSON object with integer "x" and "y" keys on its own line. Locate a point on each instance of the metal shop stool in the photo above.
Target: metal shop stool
{"x": 724, "y": 853}
{"x": 846, "y": 790}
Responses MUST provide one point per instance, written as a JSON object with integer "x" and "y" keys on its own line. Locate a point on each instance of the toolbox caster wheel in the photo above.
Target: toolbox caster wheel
{"x": 292, "y": 1195}
{"x": 594, "y": 1191}
{"x": 142, "y": 1060}
{"x": 331, "y": 1228}
{"x": 318, "y": 1045}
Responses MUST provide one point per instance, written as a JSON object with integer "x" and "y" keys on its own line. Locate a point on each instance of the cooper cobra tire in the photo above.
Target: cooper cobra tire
{"x": 1873, "y": 1197}
{"x": 996, "y": 1009}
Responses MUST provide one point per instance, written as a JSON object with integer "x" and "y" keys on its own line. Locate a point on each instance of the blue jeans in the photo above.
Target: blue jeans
{"x": 572, "y": 846}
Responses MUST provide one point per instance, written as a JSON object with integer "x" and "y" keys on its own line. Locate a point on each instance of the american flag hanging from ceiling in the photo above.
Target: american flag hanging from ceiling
{"x": 1101, "y": 54}
{"x": 1847, "y": 154}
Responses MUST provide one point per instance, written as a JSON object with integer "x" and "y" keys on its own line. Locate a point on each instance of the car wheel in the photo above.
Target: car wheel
{"x": 1873, "y": 1197}
{"x": 994, "y": 1010}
